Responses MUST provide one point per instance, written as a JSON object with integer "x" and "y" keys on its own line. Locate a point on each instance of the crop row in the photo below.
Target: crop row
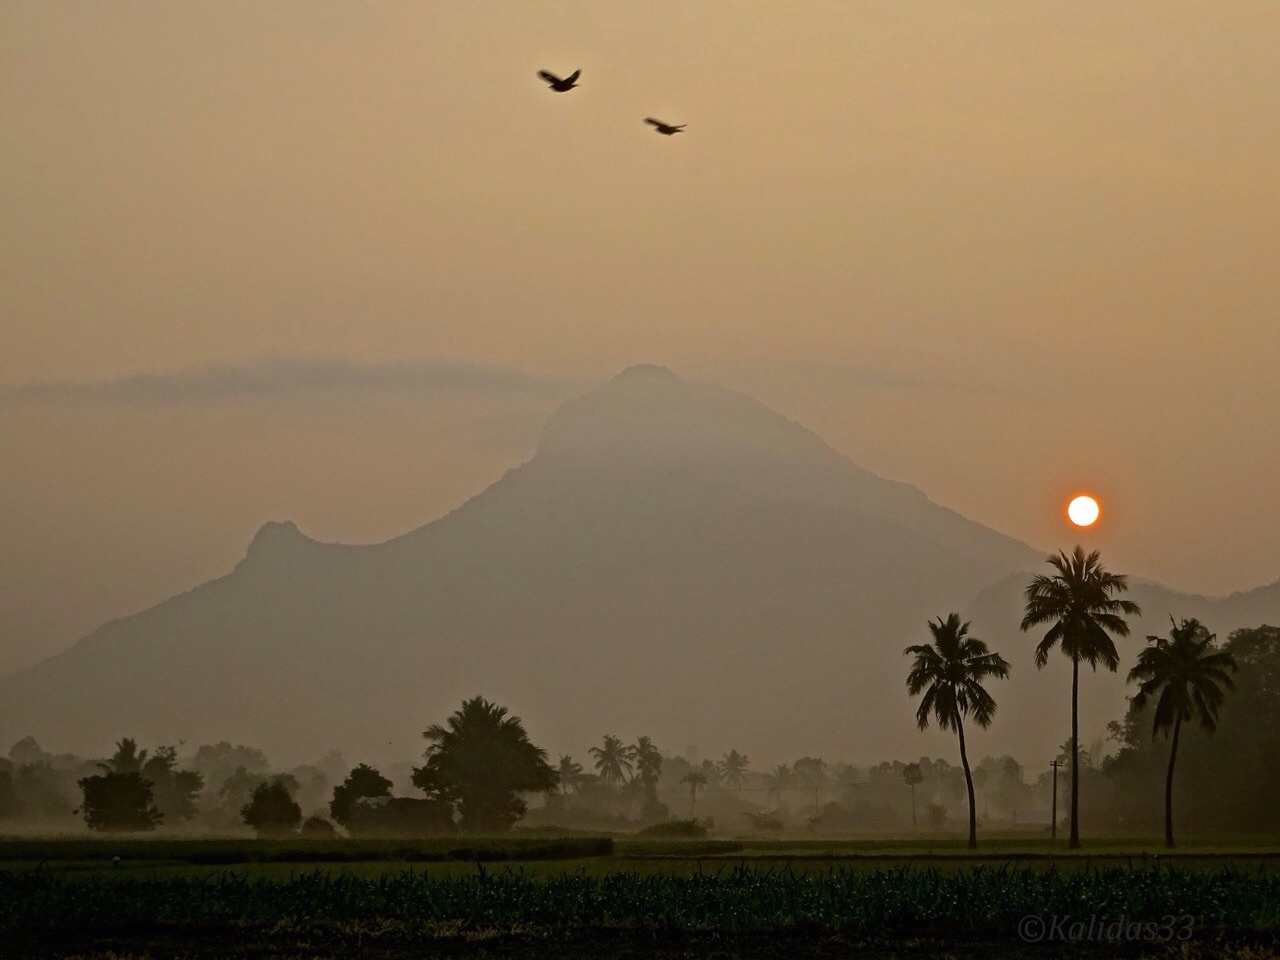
{"x": 737, "y": 898}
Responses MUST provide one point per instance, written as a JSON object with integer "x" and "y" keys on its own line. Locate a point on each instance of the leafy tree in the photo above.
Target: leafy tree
{"x": 949, "y": 672}
{"x": 912, "y": 774}
{"x": 479, "y": 762}
{"x": 216, "y": 762}
{"x": 613, "y": 760}
{"x": 175, "y": 790}
{"x": 696, "y": 780}
{"x": 1079, "y": 604}
{"x": 119, "y": 802}
{"x": 1187, "y": 675}
{"x": 733, "y": 769}
{"x": 271, "y": 810}
{"x": 363, "y": 781}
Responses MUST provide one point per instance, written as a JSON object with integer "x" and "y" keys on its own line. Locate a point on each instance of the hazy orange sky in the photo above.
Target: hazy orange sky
{"x": 335, "y": 262}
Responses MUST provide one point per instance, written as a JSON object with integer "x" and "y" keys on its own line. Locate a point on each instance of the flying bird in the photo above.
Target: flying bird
{"x": 666, "y": 129}
{"x": 558, "y": 85}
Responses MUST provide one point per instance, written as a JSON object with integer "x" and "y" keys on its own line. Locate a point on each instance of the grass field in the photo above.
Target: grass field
{"x": 584, "y": 896}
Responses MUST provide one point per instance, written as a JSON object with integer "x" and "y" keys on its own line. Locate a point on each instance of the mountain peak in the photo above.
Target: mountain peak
{"x": 276, "y": 539}
{"x": 652, "y": 372}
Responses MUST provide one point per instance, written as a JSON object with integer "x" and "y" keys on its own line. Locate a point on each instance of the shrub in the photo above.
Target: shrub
{"x": 318, "y": 827}
{"x": 694, "y": 829}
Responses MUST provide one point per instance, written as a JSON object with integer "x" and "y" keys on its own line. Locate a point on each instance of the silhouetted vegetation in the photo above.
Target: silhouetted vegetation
{"x": 1187, "y": 676}
{"x": 949, "y": 673}
{"x": 478, "y": 764}
{"x": 271, "y": 810}
{"x": 363, "y": 781}
{"x": 1079, "y": 604}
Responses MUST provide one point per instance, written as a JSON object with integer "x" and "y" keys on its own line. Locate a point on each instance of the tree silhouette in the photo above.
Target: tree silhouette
{"x": 613, "y": 760}
{"x": 569, "y": 773}
{"x": 1188, "y": 675}
{"x": 127, "y": 758}
{"x": 479, "y": 762}
{"x": 119, "y": 802}
{"x": 949, "y": 672}
{"x": 696, "y": 779}
{"x": 811, "y": 774}
{"x": 733, "y": 769}
{"x": 175, "y": 790}
{"x": 777, "y": 780}
{"x": 362, "y": 781}
{"x": 271, "y": 810}
{"x": 648, "y": 771}
{"x": 912, "y": 774}
{"x": 1079, "y": 604}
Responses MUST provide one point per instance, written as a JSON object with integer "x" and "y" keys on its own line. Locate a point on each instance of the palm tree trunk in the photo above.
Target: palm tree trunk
{"x": 968, "y": 781}
{"x": 1168, "y": 785}
{"x": 1074, "y": 842}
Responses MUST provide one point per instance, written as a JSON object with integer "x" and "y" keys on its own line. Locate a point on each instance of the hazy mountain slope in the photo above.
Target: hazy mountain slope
{"x": 675, "y": 560}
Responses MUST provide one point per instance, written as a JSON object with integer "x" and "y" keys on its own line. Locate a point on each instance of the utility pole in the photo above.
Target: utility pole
{"x": 1053, "y": 826}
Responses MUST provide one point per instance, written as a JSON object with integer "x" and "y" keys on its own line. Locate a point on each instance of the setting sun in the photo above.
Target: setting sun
{"x": 1083, "y": 511}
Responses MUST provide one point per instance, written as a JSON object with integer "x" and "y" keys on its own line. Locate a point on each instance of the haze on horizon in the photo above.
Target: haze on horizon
{"x": 336, "y": 263}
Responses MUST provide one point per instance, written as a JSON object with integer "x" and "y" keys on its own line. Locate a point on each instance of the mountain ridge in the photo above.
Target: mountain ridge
{"x": 675, "y": 558}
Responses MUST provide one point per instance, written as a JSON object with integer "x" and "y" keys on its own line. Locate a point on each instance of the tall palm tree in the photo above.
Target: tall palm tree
{"x": 1189, "y": 675}
{"x": 569, "y": 773}
{"x": 648, "y": 761}
{"x": 613, "y": 760}
{"x": 1079, "y": 604}
{"x": 949, "y": 672}
{"x": 695, "y": 779}
{"x": 733, "y": 769}
{"x": 912, "y": 774}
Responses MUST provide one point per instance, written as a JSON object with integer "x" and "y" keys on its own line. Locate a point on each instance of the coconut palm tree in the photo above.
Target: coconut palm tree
{"x": 479, "y": 762}
{"x": 912, "y": 774}
{"x": 1079, "y": 604}
{"x": 648, "y": 762}
{"x": 949, "y": 672}
{"x": 569, "y": 773}
{"x": 1188, "y": 674}
{"x": 696, "y": 779}
{"x": 127, "y": 758}
{"x": 780, "y": 779}
{"x": 733, "y": 769}
{"x": 613, "y": 760}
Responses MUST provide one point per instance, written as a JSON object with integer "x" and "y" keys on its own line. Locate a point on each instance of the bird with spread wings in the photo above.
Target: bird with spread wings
{"x": 666, "y": 129}
{"x": 560, "y": 85}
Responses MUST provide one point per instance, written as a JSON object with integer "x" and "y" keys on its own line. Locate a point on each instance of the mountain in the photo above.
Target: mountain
{"x": 675, "y": 560}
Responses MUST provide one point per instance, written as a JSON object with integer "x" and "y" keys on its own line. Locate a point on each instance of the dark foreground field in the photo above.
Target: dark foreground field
{"x": 588, "y": 897}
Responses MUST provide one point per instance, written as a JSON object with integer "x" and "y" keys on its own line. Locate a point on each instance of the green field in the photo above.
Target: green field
{"x": 585, "y": 896}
